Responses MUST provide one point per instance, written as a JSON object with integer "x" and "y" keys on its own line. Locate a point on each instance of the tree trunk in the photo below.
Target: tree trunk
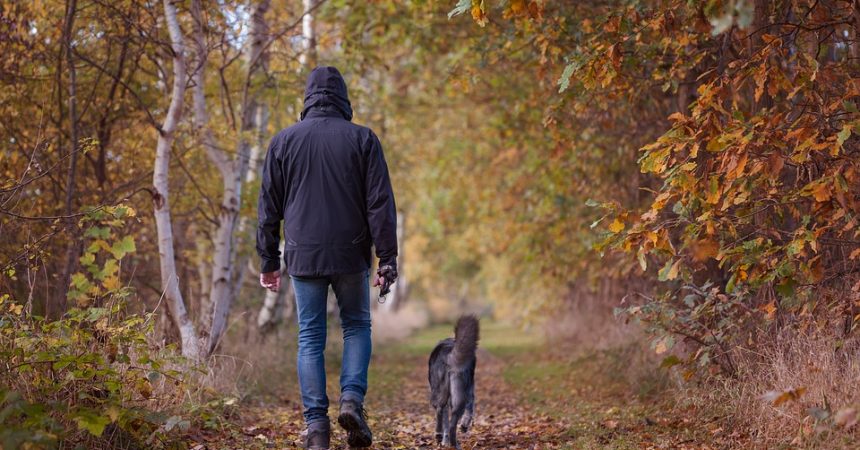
{"x": 308, "y": 58}
{"x": 59, "y": 305}
{"x": 160, "y": 181}
{"x": 233, "y": 172}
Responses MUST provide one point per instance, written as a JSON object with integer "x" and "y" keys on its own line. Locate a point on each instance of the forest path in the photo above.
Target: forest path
{"x": 529, "y": 396}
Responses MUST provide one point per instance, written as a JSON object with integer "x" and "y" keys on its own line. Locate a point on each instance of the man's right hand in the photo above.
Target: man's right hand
{"x": 271, "y": 280}
{"x": 385, "y": 277}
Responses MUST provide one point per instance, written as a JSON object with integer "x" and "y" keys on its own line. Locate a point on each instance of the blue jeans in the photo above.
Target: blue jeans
{"x": 353, "y": 298}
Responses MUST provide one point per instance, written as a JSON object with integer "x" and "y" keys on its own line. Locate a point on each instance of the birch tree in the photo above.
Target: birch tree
{"x": 161, "y": 194}
{"x": 274, "y": 308}
{"x": 232, "y": 170}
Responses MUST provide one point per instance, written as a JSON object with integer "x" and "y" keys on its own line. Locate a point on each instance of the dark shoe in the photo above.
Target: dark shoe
{"x": 353, "y": 419}
{"x": 319, "y": 436}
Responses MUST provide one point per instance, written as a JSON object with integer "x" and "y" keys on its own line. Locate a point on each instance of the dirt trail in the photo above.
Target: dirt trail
{"x": 501, "y": 421}
{"x": 526, "y": 399}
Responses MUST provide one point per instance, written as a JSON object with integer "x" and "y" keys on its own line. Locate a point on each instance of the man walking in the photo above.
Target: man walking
{"x": 327, "y": 179}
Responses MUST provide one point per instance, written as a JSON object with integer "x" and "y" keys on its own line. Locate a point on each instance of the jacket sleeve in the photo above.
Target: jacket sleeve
{"x": 381, "y": 209}
{"x": 270, "y": 211}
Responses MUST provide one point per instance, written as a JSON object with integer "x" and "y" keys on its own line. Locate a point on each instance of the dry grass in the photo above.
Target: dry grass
{"x": 788, "y": 393}
{"x": 820, "y": 369}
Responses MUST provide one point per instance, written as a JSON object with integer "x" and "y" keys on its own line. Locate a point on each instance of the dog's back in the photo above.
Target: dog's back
{"x": 451, "y": 373}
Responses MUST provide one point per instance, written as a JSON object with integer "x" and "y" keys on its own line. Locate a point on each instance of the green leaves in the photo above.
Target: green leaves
{"x": 564, "y": 81}
{"x": 103, "y": 278}
{"x": 91, "y": 422}
{"x": 78, "y": 371}
{"x": 123, "y": 247}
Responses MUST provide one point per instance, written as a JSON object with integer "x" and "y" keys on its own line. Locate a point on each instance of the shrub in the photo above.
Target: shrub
{"x": 91, "y": 378}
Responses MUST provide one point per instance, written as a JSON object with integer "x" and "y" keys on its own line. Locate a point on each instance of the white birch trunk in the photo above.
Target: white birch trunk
{"x": 272, "y": 312}
{"x": 160, "y": 181}
{"x": 232, "y": 172}
{"x": 308, "y": 58}
{"x": 277, "y": 305}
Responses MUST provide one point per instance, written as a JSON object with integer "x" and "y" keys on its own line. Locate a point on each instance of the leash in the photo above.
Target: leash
{"x": 384, "y": 290}
{"x": 388, "y": 275}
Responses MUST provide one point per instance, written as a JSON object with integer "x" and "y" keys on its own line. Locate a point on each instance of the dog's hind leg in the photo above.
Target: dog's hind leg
{"x": 468, "y": 416}
{"x": 458, "y": 406}
{"x": 441, "y": 411}
{"x": 442, "y": 418}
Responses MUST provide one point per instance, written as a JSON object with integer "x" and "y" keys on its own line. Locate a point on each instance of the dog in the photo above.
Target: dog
{"x": 451, "y": 373}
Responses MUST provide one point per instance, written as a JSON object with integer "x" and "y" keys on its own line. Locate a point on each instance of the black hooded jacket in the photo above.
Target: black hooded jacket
{"x": 327, "y": 179}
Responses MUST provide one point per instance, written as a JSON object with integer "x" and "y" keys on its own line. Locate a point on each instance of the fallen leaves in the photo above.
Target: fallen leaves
{"x": 777, "y": 398}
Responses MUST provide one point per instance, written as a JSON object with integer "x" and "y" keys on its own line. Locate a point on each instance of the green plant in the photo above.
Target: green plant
{"x": 91, "y": 377}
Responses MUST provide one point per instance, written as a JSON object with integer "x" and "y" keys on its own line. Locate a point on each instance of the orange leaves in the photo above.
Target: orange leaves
{"x": 615, "y": 56}
{"x": 820, "y": 190}
{"x": 777, "y": 398}
{"x": 518, "y": 6}
{"x": 760, "y": 80}
{"x": 478, "y": 14}
{"x": 775, "y": 163}
{"x": 703, "y": 249}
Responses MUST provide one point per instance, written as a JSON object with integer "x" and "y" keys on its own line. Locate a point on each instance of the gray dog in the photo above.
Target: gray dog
{"x": 452, "y": 381}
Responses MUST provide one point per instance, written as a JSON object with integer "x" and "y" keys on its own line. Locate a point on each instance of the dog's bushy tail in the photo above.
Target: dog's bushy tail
{"x": 465, "y": 340}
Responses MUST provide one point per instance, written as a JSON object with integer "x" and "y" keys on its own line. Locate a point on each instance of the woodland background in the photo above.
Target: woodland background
{"x": 680, "y": 176}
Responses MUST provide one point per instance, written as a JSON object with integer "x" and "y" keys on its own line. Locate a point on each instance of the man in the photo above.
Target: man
{"x": 327, "y": 179}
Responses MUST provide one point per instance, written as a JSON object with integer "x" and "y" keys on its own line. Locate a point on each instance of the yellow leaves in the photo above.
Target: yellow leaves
{"x": 15, "y": 309}
{"x": 841, "y": 138}
{"x": 651, "y": 237}
{"x": 713, "y": 195}
{"x": 616, "y": 226}
{"x": 669, "y": 271}
{"x": 112, "y": 283}
{"x": 715, "y": 145}
{"x": 694, "y": 150}
{"x": 655, "y": 161}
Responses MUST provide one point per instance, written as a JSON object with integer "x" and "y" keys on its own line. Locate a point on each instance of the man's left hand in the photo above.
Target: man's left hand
{"x": 271, "y": 280}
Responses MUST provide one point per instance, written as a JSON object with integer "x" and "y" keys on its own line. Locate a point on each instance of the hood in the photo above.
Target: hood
{"x": 326, "y": 91}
